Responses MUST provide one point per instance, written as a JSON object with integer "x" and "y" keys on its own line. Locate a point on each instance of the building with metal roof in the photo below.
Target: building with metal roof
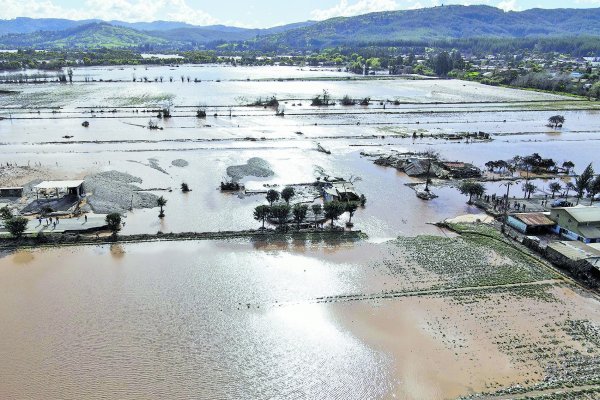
{"x": 580, "y": 223}
{"x": 530, "y": 222}
{"x": 72, "y": 187}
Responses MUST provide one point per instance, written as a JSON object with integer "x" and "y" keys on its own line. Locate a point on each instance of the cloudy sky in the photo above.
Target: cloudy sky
{"x": 246, "y": 13}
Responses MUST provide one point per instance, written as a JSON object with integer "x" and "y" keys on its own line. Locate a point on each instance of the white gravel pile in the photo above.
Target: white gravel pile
{"x": 254, "y": 167}
{"x": 113, "y": 191}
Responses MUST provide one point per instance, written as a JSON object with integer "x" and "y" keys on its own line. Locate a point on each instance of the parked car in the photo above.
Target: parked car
{"x": 561, "y": 203}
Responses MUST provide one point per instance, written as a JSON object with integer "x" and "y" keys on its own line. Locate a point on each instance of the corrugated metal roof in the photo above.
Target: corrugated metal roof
{"x": 534, "y": 219}
{"x": 590, "y": 232}
{"x": 584, "y": 213}
{"x": 58, "y": 184}
{"x": 574, "y": 250}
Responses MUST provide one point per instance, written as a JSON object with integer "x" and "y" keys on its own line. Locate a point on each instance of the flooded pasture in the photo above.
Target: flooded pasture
{"x": 431, "y": 317}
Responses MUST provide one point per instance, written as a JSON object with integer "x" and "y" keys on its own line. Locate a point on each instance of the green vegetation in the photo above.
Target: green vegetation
{"x": 113, "y": 221}
{"x": 161, "y": 202}
{"x": 272, "y": 196}
{"x": 333, "y": 211}
{"x": 471, "y": 188}
{"x": 16, "y": 226}
{"x": 261, "y": 213}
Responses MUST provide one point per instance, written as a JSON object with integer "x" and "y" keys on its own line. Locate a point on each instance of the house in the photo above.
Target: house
{"x": 340, "y": 191}
{"x": 460, "y": 170}
{"x": 529, "y": 223}
{"x": 580, "y": 223}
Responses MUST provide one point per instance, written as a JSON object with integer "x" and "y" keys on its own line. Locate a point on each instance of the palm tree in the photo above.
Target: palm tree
{"x": 554, "y": 187}
{"x": 317, "y": 209}
{"x": 299, "y": 212}
{"x": 272, "y": 196}
{"x": 582, "y": 182}
{"x": 161, "y": 202}
{"x": 529, "y": 188}
{"x": 287, "y": 193}
{"x": 569, "y": 186}
{"x": 261, "y": 213}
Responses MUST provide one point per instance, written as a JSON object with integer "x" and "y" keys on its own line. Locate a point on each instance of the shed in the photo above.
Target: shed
{"x": 74, "y": 187}
{"x": 530, "y": 222}
{"x": 16, "y": 191}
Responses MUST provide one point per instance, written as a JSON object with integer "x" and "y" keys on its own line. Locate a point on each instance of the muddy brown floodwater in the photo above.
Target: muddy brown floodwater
{"x": 430, "y": 318}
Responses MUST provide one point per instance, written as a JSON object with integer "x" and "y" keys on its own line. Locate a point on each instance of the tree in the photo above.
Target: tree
{"x": 185, "y": 188}
{"x": 351, "y": 207}
{"x": 568, "y": 165}
{"x": 594, "y": 188}
{"x": 113, "y": 221}
{"x": 161, "y": 202}
{"x": 5, "y": 213}
{"x": 333, "y": 210}
{"x": 594, "y": 91}
{"x": 299, "y": 211}
{"x": 261, "y": 213}
{"x": 554, "y": 187}
{"x": 317, "y": 209}
{"x": 280, "y": 212}
{"x": 16, "y": 226}
{"x": 529, "y": 188}
{"x": 556, "y": 120}
{"x": 272, "y": 196}
{"x": 287, "y": 193}
{"x": 569, "y": 186}
{"x": 582, "y": 182}
{"x": 471, "y": 189}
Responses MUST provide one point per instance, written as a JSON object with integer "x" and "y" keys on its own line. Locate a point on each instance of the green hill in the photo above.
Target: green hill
{"x": 94, "y": 35}
{"x": 444, "y": 22}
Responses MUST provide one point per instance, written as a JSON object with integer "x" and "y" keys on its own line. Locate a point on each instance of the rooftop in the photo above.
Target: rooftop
{"x": 583, "y": 214}
{"x": 58, "y": 184}
{"x": 575, "y": 250}
{"x": 534, "y": 219}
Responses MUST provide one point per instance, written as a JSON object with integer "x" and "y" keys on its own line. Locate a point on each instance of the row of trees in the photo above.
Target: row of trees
{"x": 282, "y": 211}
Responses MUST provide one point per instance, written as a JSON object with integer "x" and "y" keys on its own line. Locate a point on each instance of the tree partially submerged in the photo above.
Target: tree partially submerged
{"x": 161, "y": 202}
{"x": 299, "y": 212}
{"x": 471, "y": 188}
{"x": 333, "y": 211}
{"x": 280, "y": 212}
{"x": 272, "y": 196}
{"x": 287, "y": 193}
{"x": 261, "y": 213}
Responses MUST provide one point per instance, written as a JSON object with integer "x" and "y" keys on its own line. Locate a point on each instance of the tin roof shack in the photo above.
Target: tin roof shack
{"x": 531, "y": 223}
{"x": 579, "y": 258}
{"x": 340, "y": 191}
{"x": 415, "y": 166}
{"x": 460, "y": 170}
{"x": 11, "y": 192}
{"x": 577, "y": 223}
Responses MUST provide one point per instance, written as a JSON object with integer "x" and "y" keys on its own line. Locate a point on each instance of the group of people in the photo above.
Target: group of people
{"x": 50, "y": 221}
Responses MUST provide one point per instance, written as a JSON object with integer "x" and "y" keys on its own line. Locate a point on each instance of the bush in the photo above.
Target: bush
{"x": 113, "y": 220}
{"x": 16, "y": 226}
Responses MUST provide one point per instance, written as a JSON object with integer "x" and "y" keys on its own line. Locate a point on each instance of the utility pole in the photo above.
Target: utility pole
{"x": 508, "y": 185}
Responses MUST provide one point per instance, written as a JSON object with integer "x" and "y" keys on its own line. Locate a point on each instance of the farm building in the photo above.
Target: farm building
{"x": 580, "y": 258}
{"x": 577, "y": 223}
{"x": 529, "y": 223}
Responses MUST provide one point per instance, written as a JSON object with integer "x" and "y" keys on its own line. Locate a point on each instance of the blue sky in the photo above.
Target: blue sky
{"x": 246, "y": 13}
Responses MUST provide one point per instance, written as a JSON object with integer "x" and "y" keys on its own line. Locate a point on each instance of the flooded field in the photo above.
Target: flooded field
{"x": 395, "y": 316}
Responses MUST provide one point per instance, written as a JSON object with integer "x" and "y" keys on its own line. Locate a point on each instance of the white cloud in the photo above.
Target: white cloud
{"x": 123, "y": 10}
{"x": 508, "y": 5}
{"x": 344, "y": 9}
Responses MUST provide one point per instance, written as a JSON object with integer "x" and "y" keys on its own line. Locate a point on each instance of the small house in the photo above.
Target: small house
{"x": 340, "y": 191}
{"x": 530, "y": 223}
{"x": 68, "y": 188}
